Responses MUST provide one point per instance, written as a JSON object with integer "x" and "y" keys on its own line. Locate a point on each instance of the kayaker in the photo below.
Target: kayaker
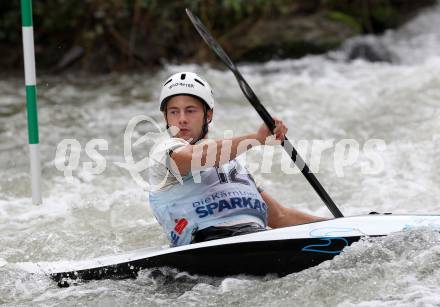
{"x": 202, "y": 193}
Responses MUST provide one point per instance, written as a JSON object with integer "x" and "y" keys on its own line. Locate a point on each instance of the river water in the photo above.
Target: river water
{"x": 321, "y": 98}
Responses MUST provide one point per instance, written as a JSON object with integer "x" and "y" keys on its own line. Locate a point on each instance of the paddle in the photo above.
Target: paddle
{"x": 264, "y": 114}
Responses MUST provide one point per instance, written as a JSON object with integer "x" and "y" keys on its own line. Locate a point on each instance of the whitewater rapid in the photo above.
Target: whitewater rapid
{"x": 319, "y": 97}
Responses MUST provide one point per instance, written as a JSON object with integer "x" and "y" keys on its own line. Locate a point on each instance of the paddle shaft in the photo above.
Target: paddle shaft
{"x": 264, "y": 114}
{"x": 287, "y": 145}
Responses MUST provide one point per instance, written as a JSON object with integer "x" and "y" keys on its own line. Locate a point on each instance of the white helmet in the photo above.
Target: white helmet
{"x": 186, "y": 83}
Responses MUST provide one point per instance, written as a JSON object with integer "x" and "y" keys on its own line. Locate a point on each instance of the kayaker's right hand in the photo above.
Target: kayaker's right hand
{"x": 264, "y": 136}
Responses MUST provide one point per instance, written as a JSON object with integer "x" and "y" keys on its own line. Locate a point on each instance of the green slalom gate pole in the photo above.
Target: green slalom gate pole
{"x": 31, "y": 99}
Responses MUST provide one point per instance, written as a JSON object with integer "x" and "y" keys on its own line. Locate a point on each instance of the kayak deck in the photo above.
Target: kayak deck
{"x": 277, "y": 251}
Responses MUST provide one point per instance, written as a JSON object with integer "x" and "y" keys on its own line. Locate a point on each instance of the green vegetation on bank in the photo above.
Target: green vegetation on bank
{"x": 108, "y": 35}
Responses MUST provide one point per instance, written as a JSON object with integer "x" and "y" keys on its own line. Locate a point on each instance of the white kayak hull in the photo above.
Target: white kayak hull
{"x": 277, "y": 251}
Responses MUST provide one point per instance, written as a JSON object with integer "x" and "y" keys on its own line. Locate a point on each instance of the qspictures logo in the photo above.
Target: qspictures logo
{"x": 152, "y": 171}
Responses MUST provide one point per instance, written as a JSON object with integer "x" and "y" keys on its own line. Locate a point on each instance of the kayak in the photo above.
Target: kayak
{"x": 278, "y": 251}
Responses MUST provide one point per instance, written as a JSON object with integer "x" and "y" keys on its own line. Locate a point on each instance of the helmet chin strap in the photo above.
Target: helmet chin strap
{"x": 205, "y": 126}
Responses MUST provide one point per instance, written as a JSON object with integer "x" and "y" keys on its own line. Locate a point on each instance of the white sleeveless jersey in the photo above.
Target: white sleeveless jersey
{"x": 219, "y": 196}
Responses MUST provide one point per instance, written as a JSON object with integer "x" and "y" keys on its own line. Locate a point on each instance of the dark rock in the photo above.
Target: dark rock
{"x": 369, "y": 49}
{"x": 288, "y": 37}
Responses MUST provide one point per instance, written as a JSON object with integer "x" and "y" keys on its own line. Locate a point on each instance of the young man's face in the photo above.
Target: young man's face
{"x": 186, "y": 113}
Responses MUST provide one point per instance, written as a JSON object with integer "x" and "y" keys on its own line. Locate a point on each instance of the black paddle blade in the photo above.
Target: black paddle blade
{"x": 218, "y": 50}
{"x": 264, "y": 114}
{"x": 207, "y": 37}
